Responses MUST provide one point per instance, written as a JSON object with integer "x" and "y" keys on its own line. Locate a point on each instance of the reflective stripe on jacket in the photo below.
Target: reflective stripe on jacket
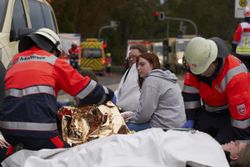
{"x": 229, "y": 91}
{"x": 38, "y": 70}
{"x": 242, "y": 38}
{"x": 32, "y": 82}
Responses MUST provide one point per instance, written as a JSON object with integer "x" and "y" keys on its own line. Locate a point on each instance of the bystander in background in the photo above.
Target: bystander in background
{"x": 161, "y": 103}
{"x": 108, "y": 65}
{"x": 128, "y": 92}
{"x": 241, "y": 39}
{"x": 74, "y": 53}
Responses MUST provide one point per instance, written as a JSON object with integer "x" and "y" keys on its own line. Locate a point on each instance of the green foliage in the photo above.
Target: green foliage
{"x": 136, "y": 20}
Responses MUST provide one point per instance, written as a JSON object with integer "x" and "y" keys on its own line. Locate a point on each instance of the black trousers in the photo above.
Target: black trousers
{"x": 218, "y": 125}
{"x": 31, "y": 143}
{"x": 74, "y": 63}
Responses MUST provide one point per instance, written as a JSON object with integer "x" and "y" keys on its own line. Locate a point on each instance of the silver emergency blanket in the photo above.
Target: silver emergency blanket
{"x": 148, "y": 148}
{"x": 82, "y": 124}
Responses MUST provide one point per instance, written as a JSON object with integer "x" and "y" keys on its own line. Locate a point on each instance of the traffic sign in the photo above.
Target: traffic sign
{"x": 239, "y": 8}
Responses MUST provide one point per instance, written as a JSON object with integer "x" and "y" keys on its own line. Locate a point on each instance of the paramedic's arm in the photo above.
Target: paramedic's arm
{"x": 238, "y": 90}
{"x": 87, "y": 90}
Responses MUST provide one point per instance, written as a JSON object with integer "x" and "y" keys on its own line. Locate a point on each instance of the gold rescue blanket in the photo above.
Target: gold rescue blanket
{"x": 82, "y": 124}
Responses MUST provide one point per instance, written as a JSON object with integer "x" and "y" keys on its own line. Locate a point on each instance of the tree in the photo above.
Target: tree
{"x": 212, "y": 17}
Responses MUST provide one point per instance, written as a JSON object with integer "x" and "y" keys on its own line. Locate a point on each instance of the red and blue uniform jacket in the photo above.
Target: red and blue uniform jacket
{"x": 228, "y": 91}
{"x": 74, "y": 53}
{"x": 32, "y": 82}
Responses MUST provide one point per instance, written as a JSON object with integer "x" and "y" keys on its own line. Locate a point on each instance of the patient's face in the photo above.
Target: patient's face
{"x": 234, "y": 147}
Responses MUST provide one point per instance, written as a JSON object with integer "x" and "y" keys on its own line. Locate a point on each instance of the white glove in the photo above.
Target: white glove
{"x": 3, "y": 142}
{"x": 127, "y": 115}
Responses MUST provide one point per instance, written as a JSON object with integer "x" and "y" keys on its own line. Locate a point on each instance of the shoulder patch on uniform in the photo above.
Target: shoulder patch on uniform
{"x": 241, "y": 109}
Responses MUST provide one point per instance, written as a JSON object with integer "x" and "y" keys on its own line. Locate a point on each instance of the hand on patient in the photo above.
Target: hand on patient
{"x": 3, "y": 142}
{"x": 127, "y": 115}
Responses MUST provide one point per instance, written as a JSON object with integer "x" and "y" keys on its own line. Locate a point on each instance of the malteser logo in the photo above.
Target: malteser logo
{"x": 241, "y": 109}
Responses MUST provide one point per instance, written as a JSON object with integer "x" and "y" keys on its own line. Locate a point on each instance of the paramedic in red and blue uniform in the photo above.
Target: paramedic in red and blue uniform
{"x": 216, "y": 91}
{"x": 32, "y": 82}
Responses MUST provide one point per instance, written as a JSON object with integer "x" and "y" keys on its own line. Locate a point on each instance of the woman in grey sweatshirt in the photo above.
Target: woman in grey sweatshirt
{"x": 161, "y": 101}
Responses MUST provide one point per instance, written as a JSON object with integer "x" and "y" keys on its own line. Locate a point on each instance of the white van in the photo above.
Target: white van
{"x": 17, "y": 17}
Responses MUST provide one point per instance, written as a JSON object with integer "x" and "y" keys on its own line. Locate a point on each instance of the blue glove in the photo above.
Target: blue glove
{"x": 113, "y": 99}
{"x": 188, "y": 124}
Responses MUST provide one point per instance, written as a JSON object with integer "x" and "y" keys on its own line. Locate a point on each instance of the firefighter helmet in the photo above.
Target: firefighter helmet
{"x": 200, "y": 53}
{"x": 247, "y": 11}
{"x": 74, "y": 44}
{"x": 44, "y": 38}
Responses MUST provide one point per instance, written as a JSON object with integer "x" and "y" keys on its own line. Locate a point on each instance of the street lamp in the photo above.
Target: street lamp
{"x": 113, "y": 24}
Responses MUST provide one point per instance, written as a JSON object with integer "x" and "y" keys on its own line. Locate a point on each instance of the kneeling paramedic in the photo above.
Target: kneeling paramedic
{"x": 32, "y": 82}
{"x": 216, "y": 91}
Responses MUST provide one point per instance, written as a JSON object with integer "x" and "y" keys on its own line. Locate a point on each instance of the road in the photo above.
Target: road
{"x": 110, "y": 82}
{"x": 113, "y": 82}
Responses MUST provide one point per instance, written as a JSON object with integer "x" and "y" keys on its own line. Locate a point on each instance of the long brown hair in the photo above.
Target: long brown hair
{"x": 152, "y": 59}
{"x": 243, "y": 160}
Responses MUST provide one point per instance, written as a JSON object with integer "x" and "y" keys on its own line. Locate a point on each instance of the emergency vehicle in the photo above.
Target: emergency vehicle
{"x": 155, "y": 46}
{"x": 170, "y": 51}
{"x": 173, "y": 50}
{"x": 93, "y": 55}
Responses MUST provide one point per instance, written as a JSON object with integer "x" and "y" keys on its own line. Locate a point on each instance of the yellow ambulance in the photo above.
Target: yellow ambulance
{"x": 92, "y": 55}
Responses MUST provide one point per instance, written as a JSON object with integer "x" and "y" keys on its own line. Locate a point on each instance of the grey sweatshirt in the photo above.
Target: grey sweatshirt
{"x": 161, "y": 101}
